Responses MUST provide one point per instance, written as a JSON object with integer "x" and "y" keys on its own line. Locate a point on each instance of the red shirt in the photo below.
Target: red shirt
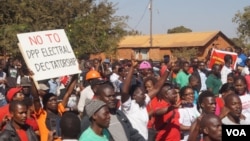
{"x": 163, "y": 69}
{"x": 149, "y": 109}
{"x": 247, "y": 77}
{"x": 167, "y": 125}
{"x": 32, "y": 122}
{"x": 22, "y": 134}
{"x": 191, "y": 70}
{"x": 4, "y": 110}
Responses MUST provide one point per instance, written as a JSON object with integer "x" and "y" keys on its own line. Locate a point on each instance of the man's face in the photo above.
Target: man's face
{"x": 26, "y": 91}
{"x": 52, "y": 103}
{"x": 202, "y": 66}
{"x": 108, "y": 96}
{"x": 186, "y": 67}
{"x": 235, "y": 106}
{"x": 214, "y": 129}
{"x": 208, "y": 105}
{"x": 18, "y": 96}
{"x": 240, "y": 87}
{"x": 139, "y": 96}
{"x": 102, "y": 117}
{"x": 19, "y": 116}
{"x": 217, "y": 70}
{"x": 195, "y": 63}
{"x": 171, "y": 96}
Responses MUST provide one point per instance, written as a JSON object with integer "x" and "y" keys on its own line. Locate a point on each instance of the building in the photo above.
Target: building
{"x": 165, "y": 44}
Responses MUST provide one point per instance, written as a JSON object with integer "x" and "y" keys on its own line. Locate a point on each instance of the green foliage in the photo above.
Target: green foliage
{"x": 185, "y": 53}
{"x": 90, "y": 26}
{"x": 179, "y": 29}
{"x": 238, "y": 42}
{"x": 243, "y": 21}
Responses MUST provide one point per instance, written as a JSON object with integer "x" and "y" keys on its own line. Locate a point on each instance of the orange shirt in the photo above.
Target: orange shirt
{"x": 41, "y": 121}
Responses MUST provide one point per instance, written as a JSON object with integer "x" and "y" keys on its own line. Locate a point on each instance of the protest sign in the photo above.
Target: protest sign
{"x": 217, "y": 57}
{"x": 48, "y": 54}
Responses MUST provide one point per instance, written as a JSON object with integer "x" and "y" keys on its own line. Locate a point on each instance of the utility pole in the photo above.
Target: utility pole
{"x": 151, "y": 18}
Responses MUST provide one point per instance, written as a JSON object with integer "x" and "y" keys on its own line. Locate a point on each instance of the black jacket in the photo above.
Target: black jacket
{"x": 9, "y": 134}
{"x": 131, "y": 133}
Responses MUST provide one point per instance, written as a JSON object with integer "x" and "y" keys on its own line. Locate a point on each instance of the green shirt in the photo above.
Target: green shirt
{"x": 90, "y": 135}
{"x": 213, "y": 83}
{"x": 182, "y": 78}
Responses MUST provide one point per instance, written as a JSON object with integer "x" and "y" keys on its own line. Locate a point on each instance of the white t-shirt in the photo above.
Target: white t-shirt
{"x": 224, "y": 72}
{"x": 187, "y": 117}
{"x": 245, "y": 100}
{"x": 138, "y": 116}
{"x": 86, "y": 93}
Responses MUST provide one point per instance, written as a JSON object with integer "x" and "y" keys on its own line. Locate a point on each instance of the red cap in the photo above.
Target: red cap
{"x": 11, "y": 93}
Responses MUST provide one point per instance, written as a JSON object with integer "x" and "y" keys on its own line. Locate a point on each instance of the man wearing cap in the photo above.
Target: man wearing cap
{"x": 12, "y": 95}
{"x": 43, "y": 89}
{"x": 94, "y": 79}
{"x": 26, "y": 84}
{"x": 99, "y": 116}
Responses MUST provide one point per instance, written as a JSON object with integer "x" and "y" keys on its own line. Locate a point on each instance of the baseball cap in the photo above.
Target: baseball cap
{"x": 12, "y": 92}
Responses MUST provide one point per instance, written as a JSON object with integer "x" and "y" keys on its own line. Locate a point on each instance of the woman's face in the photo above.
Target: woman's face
{"x": 149, "y": 85}
{"x": 240, "y": 87}
{"x": 188, "y": 95}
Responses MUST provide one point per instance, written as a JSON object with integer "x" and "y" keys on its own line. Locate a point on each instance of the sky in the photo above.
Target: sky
{"x": 197, "y": 15}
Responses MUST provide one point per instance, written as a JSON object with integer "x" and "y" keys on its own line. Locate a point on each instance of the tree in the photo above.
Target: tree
{"x": 179, "y": 29}
{"x": 238, "y": 42}
{"x": 243, "y": 21}
{"x": 90, "y": 26}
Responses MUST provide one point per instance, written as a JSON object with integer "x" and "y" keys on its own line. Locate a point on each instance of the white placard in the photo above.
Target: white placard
{"x": 48, "y": 54}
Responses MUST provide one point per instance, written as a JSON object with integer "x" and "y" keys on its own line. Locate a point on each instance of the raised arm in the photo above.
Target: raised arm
{"x": 194, "y": 131}
{"x": 126, "y": 83}
{"x": 159, "y": 84}
{"x": 34, "y": 93}
{"x": 70, "y": 89}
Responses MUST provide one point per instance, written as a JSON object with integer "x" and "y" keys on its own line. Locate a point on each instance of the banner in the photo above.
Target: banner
{"x": 48, "y": 54}
{"x": 217, "y": 57}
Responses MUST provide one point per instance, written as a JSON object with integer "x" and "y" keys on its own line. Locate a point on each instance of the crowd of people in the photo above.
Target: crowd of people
{"x": 126, "y": 100}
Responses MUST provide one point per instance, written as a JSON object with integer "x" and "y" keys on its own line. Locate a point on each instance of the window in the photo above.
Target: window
{"x": 141, "y": 54}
